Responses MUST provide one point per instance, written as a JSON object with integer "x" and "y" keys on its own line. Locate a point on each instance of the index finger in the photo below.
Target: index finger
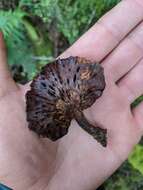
{"x": 107, "y": 33}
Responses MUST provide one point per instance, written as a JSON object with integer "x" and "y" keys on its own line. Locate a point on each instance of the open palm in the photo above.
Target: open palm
{"x": 77, "y": 161}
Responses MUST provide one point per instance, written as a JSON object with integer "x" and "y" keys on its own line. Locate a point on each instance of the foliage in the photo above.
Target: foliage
{"x": 10, "y": 22}
{"x": 19, "y": 51}
{"x": 45, "y": 9}
{"x": 126, "y": 178}
{"x": 137, "y": 101}
{"x": 42, "y": 29}
{"x": 136, "y": 158}
{"x": 75, "y": 17}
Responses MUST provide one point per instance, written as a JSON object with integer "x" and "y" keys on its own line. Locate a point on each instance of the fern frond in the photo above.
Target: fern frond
{"x": 20, "y": 50}
{"x": 11, "y": 23}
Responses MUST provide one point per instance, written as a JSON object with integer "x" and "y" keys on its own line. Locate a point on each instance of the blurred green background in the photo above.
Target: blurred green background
{"x": 37, "y": 31}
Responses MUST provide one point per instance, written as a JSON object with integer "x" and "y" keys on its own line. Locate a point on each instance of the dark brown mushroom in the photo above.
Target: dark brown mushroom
{"x": 60, "y": 93}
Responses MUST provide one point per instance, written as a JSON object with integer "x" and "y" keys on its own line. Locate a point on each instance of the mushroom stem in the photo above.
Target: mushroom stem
{"x": 98, "y": 133}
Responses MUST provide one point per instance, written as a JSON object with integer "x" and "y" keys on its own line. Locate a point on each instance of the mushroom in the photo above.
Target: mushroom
{"x": 60, "y": 93}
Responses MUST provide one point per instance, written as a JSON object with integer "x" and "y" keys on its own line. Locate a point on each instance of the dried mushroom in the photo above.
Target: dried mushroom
{"x": 60, "y": 93}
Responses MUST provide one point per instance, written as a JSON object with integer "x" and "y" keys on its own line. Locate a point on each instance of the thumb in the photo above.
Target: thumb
{"x": 3, "y": 60}
{"x": 6, "y": 82}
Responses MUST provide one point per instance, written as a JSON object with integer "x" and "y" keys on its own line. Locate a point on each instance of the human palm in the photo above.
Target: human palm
{"x": 77, "y": 161}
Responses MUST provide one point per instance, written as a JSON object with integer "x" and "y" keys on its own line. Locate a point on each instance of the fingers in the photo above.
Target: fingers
{"x": 127, "y": 55}
{"x": 132, "y": 83}
{"x": 105, "y": 35}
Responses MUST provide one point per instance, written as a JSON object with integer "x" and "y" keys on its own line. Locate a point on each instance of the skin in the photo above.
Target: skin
{"x": 77, "y": 161}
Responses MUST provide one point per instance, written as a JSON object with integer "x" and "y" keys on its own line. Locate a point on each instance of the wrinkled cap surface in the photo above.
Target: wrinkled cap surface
{"x": 62, "y": 87}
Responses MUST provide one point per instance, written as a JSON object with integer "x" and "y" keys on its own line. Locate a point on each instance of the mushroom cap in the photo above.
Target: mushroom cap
{"x": 63, "y": 86}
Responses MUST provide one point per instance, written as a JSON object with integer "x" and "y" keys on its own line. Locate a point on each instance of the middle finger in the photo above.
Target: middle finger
{"x": 106, "y": 34}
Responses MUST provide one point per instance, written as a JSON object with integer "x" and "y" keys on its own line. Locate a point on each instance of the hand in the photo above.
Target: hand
{"x": 77, "y": 161}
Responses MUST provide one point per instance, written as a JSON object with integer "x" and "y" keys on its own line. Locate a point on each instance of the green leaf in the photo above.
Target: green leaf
{"x": 137, "y": 101}
{"x": 125, "y": 178}
{"x": 136, "y": 158}
{"x": 10, "y": 22}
